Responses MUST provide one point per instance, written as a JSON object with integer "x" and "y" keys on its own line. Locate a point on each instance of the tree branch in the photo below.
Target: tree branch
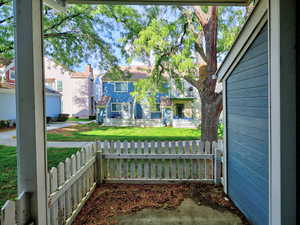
{"x": 3, "y": 3}
{"x": 202, "y": 16}
{"x": 199, "y": 48}
{"x": 6, "y": 19}
{"x": 63, "y": 34}
{"x": 62, "y": 21}
{"x": 192, "y": 81}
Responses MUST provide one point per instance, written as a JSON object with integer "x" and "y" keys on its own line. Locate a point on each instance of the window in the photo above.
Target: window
{"x": 59, "y": 85}
{"x": 157, "y": 107}
{"x": 121, "y": 87}
{"x": 116, "y": 107}
{"x": 12, "y": 75}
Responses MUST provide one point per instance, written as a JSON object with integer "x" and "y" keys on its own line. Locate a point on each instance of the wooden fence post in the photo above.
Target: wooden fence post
{"x": 99, "y": 156}
{"x": 218, "y": 166}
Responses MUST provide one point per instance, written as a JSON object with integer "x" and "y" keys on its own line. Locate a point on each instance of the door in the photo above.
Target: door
{"x": 179, "y": 111}
{"x": 125, "y": 111}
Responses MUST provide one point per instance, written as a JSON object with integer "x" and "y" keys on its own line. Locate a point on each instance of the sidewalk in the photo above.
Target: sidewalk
{"x": 7, "y": 137}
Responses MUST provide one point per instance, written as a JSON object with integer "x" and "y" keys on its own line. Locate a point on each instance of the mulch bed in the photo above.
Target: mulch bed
{"x": 110, "y": 200}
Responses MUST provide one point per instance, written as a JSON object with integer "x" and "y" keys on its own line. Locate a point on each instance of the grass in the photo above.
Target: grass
{"x": 92, "y": 132}
{"x": 8, "y": 167}
{"x": 74, "y": 119}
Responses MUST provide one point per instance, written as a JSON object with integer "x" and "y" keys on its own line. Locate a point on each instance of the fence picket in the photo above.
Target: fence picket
{"x": 53, "y": 188}
{"x": 187, "y": 162}
{"x": 68, "y": 193}
{"x": 118, "y": 162}
{"x": 62, "y": 199}
{"x": 139, "y": 162}
{"x": 194, "y": 162}
{"x": 79, "y": 183}
{"x": 146, "y": 162}
{"x": 167, "y": 163}
{"x": 159, "y": 161}
{"x": 7, "y": 213}
{"x": 152, "y": 162}
{"x": 181, "y": 161}
{"x": 126, "y": 168}
{"x": 173, "y": 162}
{"x": 74, "y": 198}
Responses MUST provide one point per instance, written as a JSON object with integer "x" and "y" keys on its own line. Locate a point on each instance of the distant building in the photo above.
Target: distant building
{"x": 76, "y": 88}
{"x": 179, "y": 108}
{"x": 8, "y": 99}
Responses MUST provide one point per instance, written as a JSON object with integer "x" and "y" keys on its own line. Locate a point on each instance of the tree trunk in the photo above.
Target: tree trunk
{"x": 210, "y": 113}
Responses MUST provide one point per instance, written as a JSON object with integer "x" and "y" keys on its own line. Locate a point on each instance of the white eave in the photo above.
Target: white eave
{"x": 163, "y": 2}
{"x": 250, "y": 30}
{"x": 61, "y": 4}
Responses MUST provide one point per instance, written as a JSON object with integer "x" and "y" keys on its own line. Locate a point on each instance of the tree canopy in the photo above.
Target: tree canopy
{"x": 82, "y": 33}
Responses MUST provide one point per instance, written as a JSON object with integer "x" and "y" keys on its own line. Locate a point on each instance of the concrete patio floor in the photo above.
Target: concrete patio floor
{"x": 188, "y": 213}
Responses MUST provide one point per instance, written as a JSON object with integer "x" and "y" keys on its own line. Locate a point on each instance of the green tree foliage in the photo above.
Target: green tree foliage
{"x": 75, "y": 36}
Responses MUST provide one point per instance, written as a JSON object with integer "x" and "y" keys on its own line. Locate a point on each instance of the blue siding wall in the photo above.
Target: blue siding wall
{"x": 8, "y": 106}
{"x": 125, "y": 97}
{"x": 247, "y": 132}
{"x": 53, "y": 106}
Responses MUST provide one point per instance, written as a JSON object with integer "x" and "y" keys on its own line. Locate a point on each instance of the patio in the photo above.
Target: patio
{"x": 171, "y": 204}
{"x": 32, "y": 203}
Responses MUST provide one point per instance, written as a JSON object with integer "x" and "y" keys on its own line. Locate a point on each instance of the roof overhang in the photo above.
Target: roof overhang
{"x": 61, "y": 4}
{"x": 162, "y": 2}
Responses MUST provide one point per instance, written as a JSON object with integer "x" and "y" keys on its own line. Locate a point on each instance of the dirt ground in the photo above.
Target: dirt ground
{"x": 113, "y": 204}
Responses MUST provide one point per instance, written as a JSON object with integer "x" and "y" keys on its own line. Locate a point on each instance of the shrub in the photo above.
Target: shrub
{"x": 63, "y": 117}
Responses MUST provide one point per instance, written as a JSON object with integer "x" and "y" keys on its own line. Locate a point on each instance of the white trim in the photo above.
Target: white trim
{"x": 120, "y": 103}
{"x": 163, "y": 2}
{"x": 282, "y": 70}
{"x": 252, "y": 26}
{"x": 225, "y": 175}
{"x": 59, "y": 5}
{"x": 115, "y": 82}
{"x": 8, "y": 67}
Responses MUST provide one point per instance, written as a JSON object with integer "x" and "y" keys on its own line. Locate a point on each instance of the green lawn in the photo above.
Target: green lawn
{"x": 73, "y": 119}
{"x": 92, "y": 132}
{"x": 8, "y": 165}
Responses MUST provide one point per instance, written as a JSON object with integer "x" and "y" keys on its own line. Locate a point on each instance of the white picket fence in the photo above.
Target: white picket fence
{"x": 69, "y": 184}
{"x": 160, "y": 162}
{"x": 72, "y": 182}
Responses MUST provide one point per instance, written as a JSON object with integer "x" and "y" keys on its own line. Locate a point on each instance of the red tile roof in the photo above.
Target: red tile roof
{"x": 104, "y": 100}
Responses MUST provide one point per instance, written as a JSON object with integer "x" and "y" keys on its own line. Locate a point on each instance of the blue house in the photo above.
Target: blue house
{"x": 117, "y": 106}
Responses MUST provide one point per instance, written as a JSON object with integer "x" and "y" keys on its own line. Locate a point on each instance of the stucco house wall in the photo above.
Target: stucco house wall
{"x": 77, "y": 88}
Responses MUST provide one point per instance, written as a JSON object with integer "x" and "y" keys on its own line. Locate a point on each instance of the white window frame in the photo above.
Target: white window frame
{"x": 119, "y": 103}
{"x": 62, "y": 85}
{"x": 122, "y": 82}
{"x": 156, "y": 108}
{"x": 10, "y": 77}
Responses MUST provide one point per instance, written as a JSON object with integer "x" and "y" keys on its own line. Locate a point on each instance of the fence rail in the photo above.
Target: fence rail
{"x": 160, "y": 162}
{"x": 72, "y": 182}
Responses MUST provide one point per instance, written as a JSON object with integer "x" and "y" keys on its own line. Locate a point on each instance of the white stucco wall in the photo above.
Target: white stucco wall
{"x": 80, "y": 99}
{"x": 75, "y": 93}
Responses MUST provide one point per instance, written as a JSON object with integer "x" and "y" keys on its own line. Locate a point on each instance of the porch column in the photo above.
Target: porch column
{"x": 31, "y": 150}
{"x": 282, "y": 48}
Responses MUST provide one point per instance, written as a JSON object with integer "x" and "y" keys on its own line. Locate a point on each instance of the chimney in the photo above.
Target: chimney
{"x": 88, "y": 69}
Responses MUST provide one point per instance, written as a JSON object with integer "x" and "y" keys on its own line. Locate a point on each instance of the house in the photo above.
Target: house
{"x": 117, "y": 105}
{"x": 283, "y": 158}
{"x": 252, "y": 126}
{"x": 8, "y": 98}
{"x": 76, "y": 88}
